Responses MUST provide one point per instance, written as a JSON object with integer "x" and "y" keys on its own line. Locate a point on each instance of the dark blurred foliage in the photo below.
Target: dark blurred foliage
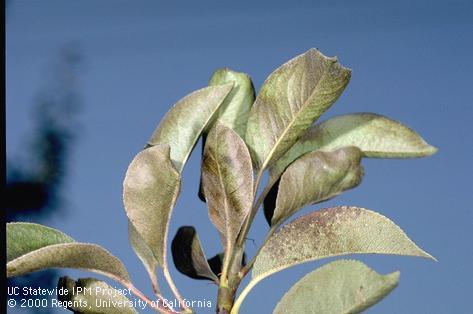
{"x": 35, "y": 179}
{"x": 34, "y": 184}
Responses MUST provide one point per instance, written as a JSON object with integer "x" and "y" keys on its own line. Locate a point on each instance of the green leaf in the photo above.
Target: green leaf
{"x": 184, "y": 123}
{"x": 92, "y": 296}
{"x": 23, "y": 237}
{"x": 326, "y": 233}
{"x": 188, "y": 255}
{"x": 48, "y": 248}
{"x": 150, "y": 190}
{"x": 344, "y": 286}
{"x": 290, "y": 100}
{"x": 313, "y": 178}
{"x": 144, "y": 253}
{"x": 235, "y": 109}
{"x": 227, "y": 177}
{"x": 375, "y": 135}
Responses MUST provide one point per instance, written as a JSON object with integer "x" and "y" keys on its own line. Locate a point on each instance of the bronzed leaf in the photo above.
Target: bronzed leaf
{"x": 290, "y": 100}
{"x": 188, "y": 255}
{"x": 89, "y": 295}
{"x": 327, "y": 233}
{"x": 150, "y": 190}
{"x": 228, "y": 180}
{"x": 331, "y": 232}
{"x": 184, "y": 123}
{"x": 235, "y": 109}
{"x": 49, "y": 248}
{"x": 313, "y": 178}
{"x": 375, "y": 135}
{"x": 344, "y": 286}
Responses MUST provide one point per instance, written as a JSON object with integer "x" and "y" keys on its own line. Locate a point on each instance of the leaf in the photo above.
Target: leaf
{"x": 332, "y": 232}
{"x": 24, "y": 237}
{"x": 344, "y": 286}
{"x": 188, "y": 255}
{"x": 313, "y": 178}
{"x": 227, "y": 176}
{"x": 290, "y": 100}
{"x": 375, "y": 135}
{"x": 235, "y": 109}
{"x": 48, "y": 248}
{"x": 184, "y": 123}
{"x": 150, "y": 189}
{"x": 89, "y": 295}
{"x": 269, "y": 202}
{"x": 326, "y": 233}
{"x": 144, "y": 253}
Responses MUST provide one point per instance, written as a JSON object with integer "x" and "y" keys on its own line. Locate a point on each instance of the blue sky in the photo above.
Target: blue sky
{"x": 411, "y": 61}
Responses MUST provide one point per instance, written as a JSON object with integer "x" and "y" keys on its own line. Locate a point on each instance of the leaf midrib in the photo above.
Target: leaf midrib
{"x": 275, "y": 146}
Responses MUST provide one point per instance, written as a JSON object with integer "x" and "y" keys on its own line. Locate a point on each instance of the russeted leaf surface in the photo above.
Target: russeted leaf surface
{"x": 188, "y": 255}
{"x": 50, "y": 248}
{"x": 235, "y": 109}
{"x": 377, "y": 136}
{"x": 227, "y": 176}
{"x": 183, "y": 124}
{"x": 313, "y": 178}
{"x": 290, "y": 100}
{"x": 153, "y": 170}
{"x": 332, "y": 232}
{"x": 150, "y": 189}
{"x": 344, "y": 286}
{"x": 94, "y": 297}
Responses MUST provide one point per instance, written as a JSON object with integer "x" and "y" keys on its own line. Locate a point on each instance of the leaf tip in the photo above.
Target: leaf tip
{"x": 394, "y": 276}
{"x": 430, "y": 150}
{"x": 426, "y": 255}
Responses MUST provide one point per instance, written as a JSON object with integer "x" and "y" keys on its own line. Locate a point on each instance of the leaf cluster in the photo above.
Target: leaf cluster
{"x": 246, "y": 135}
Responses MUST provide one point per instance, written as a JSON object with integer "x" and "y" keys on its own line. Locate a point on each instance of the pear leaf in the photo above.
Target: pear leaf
{"x": 183, "y": 124}
{"x": 375, "y": 135}
{"x": 91, "y": 296}
{"x": 188, "y": 255}
{"x": 290, "y": 100}
{"x": 344, "y": 286}
{"x": 327, "y": 233}
{"x": 33, "y": 247}
{"x": 150, "y": 190}
{"x": 144, "y": 253}
{"x": 235, "y": 110}
{"x": 227, "y": 176}
{"x": 332, "y": 232}
{"x": 313, "y": 178}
